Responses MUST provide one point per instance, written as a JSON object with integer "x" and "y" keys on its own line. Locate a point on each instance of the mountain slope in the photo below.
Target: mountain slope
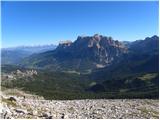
{"x": 143, "y": 57}
{"x": 149, "y": 45}
{"x": 60, "y": 85}
{"x": 137, "y": 71}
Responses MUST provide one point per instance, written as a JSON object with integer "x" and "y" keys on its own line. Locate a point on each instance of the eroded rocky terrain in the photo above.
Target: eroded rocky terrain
{"x": 23, "y": 105}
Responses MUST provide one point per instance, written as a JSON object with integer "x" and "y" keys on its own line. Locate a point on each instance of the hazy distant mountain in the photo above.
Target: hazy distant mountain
{"x": 14, "y": 55}
{"x": 86, "y": 53}
{"x": 32, "y": 49}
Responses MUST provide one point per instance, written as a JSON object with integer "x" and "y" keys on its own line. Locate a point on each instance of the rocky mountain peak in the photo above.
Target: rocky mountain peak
{"x": 64, "y": 44}
{"x": 155, "y": 37}
{"x": 97, "y": 41}
{"x": 99, "y": 49}
{"x": 97, "y": 37}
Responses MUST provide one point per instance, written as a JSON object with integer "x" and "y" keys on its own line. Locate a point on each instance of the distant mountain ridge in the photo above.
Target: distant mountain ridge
{"x": 148, "y": 45}
{"x": 33, "y": 49}
{"x": 14, "y": 55}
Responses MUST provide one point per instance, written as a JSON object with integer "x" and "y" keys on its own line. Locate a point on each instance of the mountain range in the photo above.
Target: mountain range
{"x": 88, "y": 53}
{"x": 92, "y": 67}
{"x": 85, "y": 54}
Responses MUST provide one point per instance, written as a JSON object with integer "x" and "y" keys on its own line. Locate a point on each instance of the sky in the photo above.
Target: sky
{"x": 41, "y": 23}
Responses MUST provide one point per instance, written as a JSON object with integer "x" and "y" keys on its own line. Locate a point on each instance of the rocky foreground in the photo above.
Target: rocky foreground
{"x": 38, "y": 108}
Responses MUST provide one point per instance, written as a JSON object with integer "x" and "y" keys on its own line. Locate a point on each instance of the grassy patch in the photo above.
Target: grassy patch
{"x": 144, "y": 110}
{"x": 148, "y": 76}
{"x": 153, "y": 113}
{"x": 9, "y": 102}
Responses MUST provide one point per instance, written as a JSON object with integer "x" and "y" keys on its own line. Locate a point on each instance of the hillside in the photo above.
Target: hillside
{"x": 142, "y": 57}
{"x": 60, "y": 85}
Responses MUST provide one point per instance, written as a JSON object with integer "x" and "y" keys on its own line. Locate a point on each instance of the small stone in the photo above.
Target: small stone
{"x": 45, "y": 115}
{"x": 21, "y": 111}
{"x": 62, "y": 117}
{"x": 50, "y": 117}
{"x": 35, "y": 112}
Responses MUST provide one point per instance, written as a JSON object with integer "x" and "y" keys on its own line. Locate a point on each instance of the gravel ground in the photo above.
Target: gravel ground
{"x": 79, "y": 109}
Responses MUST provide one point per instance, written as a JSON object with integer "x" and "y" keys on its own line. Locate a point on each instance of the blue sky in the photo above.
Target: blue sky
{"x": 38, "y": 23}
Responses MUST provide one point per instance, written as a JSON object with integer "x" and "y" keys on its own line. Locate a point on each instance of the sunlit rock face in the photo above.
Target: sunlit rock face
{"x": 98, "y": 48}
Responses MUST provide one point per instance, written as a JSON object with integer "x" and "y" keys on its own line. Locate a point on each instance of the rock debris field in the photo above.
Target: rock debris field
{"x": 81, "y": 109}
{"x": 38, "y": 108}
